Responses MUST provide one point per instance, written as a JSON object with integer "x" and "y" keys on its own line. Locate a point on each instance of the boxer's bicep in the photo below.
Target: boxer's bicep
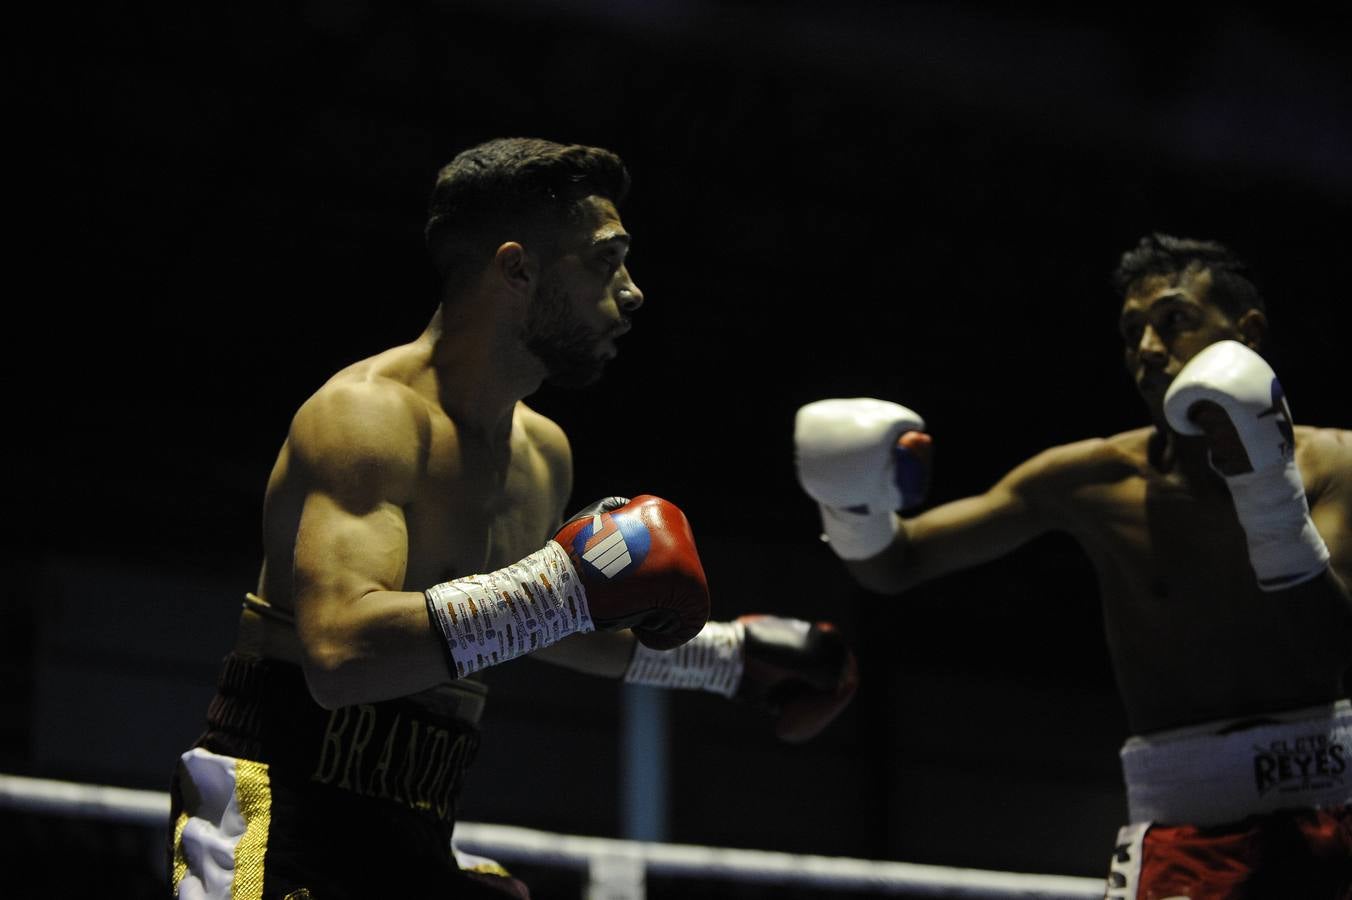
{"x": 342, "y": 554}
{"x": 363, "y": 637}
{"x": 359, "y": 449}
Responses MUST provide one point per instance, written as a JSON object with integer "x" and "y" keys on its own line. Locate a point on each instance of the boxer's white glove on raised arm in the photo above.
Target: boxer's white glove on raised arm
{"x": 1284, "y": 547}
{"x": 849, "y": 461}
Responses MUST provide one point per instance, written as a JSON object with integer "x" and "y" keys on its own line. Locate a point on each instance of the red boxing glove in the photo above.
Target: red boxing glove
{"x": 802, "y": 673}
{"x": 638, "y": 565}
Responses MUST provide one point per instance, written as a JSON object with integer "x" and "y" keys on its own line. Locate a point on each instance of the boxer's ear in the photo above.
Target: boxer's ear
{"x": 1253, "y": 327}
{"x": 515, "y": 267}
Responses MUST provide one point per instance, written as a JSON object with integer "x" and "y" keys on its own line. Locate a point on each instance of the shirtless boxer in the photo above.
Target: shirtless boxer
{"x": 1222, "y": 540}
{"x": 412, "y": 537}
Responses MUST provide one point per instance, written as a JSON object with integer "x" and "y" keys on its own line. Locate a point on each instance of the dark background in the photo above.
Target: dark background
{"x": 216, "y": 208}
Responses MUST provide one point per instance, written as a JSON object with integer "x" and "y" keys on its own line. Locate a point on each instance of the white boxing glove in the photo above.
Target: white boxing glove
{"x": 849, "y": 461}
{"x": 1285, "y": 549}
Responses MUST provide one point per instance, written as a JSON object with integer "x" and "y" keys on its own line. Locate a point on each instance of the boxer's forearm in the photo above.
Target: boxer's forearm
{"x": 602, "y": 653}
{"x": 376, "y": 647}
{"x": 955, "y": 536}
{"x": 888, "y": 572}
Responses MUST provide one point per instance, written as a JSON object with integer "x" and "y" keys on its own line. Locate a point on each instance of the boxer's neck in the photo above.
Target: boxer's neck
{"x": 481, "y": 371}
{"x": 1185, "y": 458}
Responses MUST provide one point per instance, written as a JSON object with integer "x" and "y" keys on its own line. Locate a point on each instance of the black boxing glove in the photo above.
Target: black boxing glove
{"x": 802, "y": 674}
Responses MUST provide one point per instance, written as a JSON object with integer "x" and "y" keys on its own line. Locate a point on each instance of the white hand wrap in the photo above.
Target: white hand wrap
{"x": 711, "y": 661}
{"x": 847, "y": 454}
{"x": 1284, "y": 546}
{"x": 855, "y": 535}
{"x": 1285, "y": 549}
{"x": 489, "y": 619}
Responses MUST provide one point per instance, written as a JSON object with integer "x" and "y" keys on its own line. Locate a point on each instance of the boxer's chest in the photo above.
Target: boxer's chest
{"x": 476, "y": 512}
{"x": 1169, "y": 553}
{"x": 1157, "y": 523}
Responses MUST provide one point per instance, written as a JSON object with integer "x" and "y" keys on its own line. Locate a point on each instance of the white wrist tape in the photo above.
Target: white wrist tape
{"x": 858, "y": 535}
{"x": 712, "y": 661}
{"x": 489, "y": 619}
{"x": 1284, "y": 547}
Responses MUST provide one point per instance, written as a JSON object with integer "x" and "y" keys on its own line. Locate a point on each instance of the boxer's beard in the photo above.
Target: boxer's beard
{"x": 567, "y": 347}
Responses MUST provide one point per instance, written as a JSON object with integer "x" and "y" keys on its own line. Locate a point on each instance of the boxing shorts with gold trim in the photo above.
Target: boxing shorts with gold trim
{"x": 281, "y": 798}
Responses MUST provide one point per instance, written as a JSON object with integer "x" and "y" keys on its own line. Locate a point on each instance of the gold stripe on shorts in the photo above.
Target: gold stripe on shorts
{"x": 253, "y": 793}
{"x": 180, "y": 860}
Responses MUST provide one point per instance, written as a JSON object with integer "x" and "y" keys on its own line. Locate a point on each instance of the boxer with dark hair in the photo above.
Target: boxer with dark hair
{"x": 1222, "y": 538}
{"x": 414, "y": 535}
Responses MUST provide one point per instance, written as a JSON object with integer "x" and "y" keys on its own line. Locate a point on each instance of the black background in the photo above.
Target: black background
{"x": 219, "y": 207}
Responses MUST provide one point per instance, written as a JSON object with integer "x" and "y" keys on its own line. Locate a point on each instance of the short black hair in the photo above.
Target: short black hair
{"x": 1233, "y": 289}
{"x": 509, "y": 189}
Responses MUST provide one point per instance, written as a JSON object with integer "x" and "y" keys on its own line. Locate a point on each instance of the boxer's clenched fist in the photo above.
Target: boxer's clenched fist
{"x": 1228, "y": 395}
{"x": 619, "y": 564}
{"x": 638, "y": 564}
{"x": 861, "y": 459}
{"x": 802, "y": 674}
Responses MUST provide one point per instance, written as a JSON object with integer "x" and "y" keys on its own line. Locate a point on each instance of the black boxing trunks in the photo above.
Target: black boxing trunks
{"x": 281, "y": 798}
{"x": 1239, "y": 811}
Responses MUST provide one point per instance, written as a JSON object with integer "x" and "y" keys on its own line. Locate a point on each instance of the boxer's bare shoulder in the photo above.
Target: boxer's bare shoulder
{"x": 381, "y": 418}
{"x": 1325, "y": 458}
{"x": 1133, "y": 444}
{"x": 1058, "y": 475}
{"x": 545, "y": 436}
{"x": 361, "y": 438}
{"x": 361, "y": 434}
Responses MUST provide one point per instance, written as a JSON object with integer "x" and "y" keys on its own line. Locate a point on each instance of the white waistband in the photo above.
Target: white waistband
{"x": 1199, "y": 777}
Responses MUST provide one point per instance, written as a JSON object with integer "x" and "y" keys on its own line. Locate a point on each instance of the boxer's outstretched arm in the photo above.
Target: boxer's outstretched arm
{"x": 801, "y": 674}
{"x": 973, "y": 530}
{"x": 861, "y": 458}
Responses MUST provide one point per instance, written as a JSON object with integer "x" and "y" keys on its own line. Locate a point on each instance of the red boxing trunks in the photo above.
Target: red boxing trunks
{"x": 1275, "y": 856}
{"x": 1239, "y": 811}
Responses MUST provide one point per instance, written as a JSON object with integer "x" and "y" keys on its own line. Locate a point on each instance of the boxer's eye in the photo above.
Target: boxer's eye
{"x": 1177, "y": 319}
{"x": 1172, "y": 321}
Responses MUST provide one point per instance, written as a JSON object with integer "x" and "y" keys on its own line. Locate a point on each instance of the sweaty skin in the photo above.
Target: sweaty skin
{"x": 1191, "y": 636}
{"x": 420, "y": 465}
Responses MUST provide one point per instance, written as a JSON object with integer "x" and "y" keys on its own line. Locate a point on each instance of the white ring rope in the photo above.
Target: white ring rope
{"x": 521, "y": 844}
{"x": 84, "y": 801}
{"x": 512, "y": 844}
